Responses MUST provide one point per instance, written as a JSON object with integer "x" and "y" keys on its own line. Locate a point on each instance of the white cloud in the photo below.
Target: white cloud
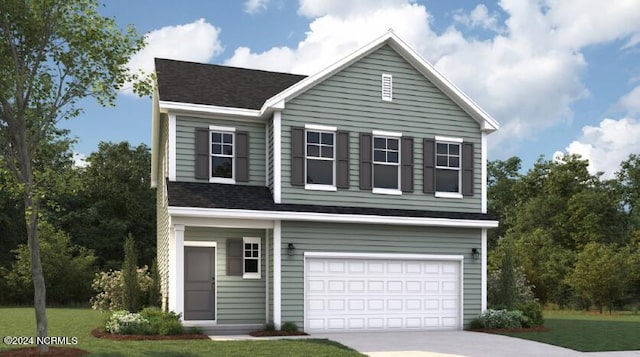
{"x": 80, "y": 160}
{"x": 631, "y": 101}
{"x": 479, "y": 17}
{"x": 197, "y": 41}
{"x": 255, "y": 6}
{"x": 527, "y": 75}
{"x": 608, "y": 144}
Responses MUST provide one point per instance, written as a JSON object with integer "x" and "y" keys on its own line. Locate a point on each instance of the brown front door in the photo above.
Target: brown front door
{"x": 199, "y": 283}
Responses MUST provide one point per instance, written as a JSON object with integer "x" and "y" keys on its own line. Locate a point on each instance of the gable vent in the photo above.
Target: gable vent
{"x": 387, "y": 87}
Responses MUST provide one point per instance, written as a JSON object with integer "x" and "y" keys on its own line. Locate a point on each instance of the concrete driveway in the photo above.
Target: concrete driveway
{"x": 454, "y": 344}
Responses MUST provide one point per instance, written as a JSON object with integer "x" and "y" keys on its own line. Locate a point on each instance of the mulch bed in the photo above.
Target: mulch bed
{"x": 112, "y": 336}
{"x": 264, "y": 333}
{"x": 501, "y": 330}
{"x": 53, "y": 351}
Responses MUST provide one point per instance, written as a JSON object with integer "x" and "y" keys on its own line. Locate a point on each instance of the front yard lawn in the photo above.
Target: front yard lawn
{"x": 587, "y": 332}
{"x": 79, "y": 323}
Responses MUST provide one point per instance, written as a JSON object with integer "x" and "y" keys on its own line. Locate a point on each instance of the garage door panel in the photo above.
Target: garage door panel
{"x": 367, "y": 294}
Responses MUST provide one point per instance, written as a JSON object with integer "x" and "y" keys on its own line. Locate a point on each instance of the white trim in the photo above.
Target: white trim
{"x": 222, "y": 128}
{"x": 483, "y": 270}
{"x": 483, "y": 173}
{"x": 178, "y": 270}
{"x": 449, "y": 195}
{"x": 320, "y": 127}
{"x": 199, "y": 243}
{"x": 394, "y": 256}
{"x": 266, "y": 275}
{"x": 224, "y": 213}
{"x": 222, "y": 179}
{"x": 172, "y": 147}
{"x": 252, "y": 240}
{"x": 277, "y": 156}
{"x": 314, "y": 187}
{"x": 449, "y": 139}
{"x": 386, "y": 191}
{"x": 387, "y": 133}
{"x": 461, "y": 316}
{"x": 222, "y": 222}
{"x": 266, "y": 153}
{"x": 155, "y": 138}
{"x": 277, "y": 274}
{"x": 485, "y": 120}
{"x": 166, "y": 106}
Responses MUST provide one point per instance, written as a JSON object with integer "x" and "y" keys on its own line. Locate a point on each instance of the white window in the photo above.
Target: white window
{"x": 386, "y": 163}
{"x": 320, "y": 156}
{"x": 251, "y": 258}
{"x": 387, "y": 87}
{"x": 448, "y": 161}
{"x": 222, "y": 155}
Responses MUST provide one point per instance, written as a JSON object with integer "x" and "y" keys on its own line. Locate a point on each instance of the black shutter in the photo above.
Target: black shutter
{"x": 365, "y": 161}
{"x": 342, "y": 159}
{"x": 297, "y": 157}
{"x": 202, "y": 154}
{"x": 234, "y": 257}
{"x": 429, "y": 158}
{"x": 242, "y": 156}
{"x": 467, "y": 169}
{"x": 406, "y": 174}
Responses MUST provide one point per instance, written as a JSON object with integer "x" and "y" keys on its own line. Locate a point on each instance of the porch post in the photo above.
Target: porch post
{"x": 277, "y": 271}
{"x": 483, "y": 269}
{"x": 176, "y": 269}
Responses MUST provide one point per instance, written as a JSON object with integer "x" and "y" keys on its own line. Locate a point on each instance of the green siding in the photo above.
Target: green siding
{"x": 270, "y": 153}
{"x": 162, "y": 213}
{"x": 185, "y": 142}
{"x": 239, "y": 300}
{"x": 322, "y": 237}
{"x": 351, "y": 101}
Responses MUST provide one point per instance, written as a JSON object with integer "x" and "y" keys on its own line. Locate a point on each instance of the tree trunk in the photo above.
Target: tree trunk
{"x": 39, "y": 288}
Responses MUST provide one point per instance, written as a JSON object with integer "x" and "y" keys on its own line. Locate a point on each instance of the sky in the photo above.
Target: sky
{"x": 558, "y": 75}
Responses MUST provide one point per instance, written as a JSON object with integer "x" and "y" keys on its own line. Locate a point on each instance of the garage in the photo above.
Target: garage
{"x": 360, "y": 291}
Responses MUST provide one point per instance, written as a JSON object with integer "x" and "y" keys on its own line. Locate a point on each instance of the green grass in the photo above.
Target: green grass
{"x": 78, "y": 322}
{"x": 588, "y": 332}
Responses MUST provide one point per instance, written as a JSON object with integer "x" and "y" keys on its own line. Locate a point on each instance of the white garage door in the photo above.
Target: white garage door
{"x": 350, "y": 294}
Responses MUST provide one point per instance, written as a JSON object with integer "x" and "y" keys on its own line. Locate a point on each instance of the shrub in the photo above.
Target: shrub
{"x": 110, "y": 289}
{"x": 532, "y": 310}
{"x": 289, "y": 326}
{"x": 126, "y": 323}
{"x": 269, "y": 326}
{"x": 131, "y": 289}
{"x": 494, "y": 319}
{"x": 162, "y": 323}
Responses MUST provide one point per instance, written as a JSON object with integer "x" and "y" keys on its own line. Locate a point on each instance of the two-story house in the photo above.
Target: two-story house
{"x": 351, "y": 199}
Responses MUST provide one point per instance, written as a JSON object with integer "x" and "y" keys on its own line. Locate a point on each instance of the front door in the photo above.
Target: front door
{"x": 199, "y": 283}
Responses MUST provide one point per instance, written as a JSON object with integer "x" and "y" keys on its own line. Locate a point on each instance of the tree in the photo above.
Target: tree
{"x": 601, "y": 274}
{"x": 114, "y": 198}
{"x": 52, "y": 53}
{"x": 501, "y": 180}
{"x": 130, "y": 275}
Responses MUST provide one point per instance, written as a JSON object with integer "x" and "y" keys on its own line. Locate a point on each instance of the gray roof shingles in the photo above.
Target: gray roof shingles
{"x": 212, "y": 195}
{"x": 210, "y": 84}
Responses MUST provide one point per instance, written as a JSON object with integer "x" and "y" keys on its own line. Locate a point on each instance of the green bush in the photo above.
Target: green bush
{"x": 289, "y": 326}
{"x": 532, "y": 310}
{"x": 495, "y": 319}
{"x": 162, "y": 323}
{"x": 110, "y": 289}
{"x": 269, "y": 326}
{"x": 126, "y": 323}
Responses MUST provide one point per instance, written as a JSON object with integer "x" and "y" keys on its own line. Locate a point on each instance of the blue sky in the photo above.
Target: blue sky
{"x": 558, "y": 75}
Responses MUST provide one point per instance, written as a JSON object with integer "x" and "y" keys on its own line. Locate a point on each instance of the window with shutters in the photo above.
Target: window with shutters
{"x": 448, "y": 167}
{"x": 251, "y": 258}
{"x": 320, "y": 158}
{"x": 386, "y": 163}
{"x": 222, "y": 154}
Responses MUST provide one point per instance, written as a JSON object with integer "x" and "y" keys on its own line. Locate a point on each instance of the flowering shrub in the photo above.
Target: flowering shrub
{"x": 492, "y": 319}
{"x": 124, "y": 322}
{"x": 110, "y": 289}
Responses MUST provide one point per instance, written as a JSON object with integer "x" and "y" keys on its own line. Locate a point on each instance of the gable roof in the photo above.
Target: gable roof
{"x": 222, "y": 86}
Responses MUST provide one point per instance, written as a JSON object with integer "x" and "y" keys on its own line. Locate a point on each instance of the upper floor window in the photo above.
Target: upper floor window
{"x": 320, "y": 157}
{"x": 447, "y": 167}
{"x": 222, "y": 154}
{"x": 386, "y": 162}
